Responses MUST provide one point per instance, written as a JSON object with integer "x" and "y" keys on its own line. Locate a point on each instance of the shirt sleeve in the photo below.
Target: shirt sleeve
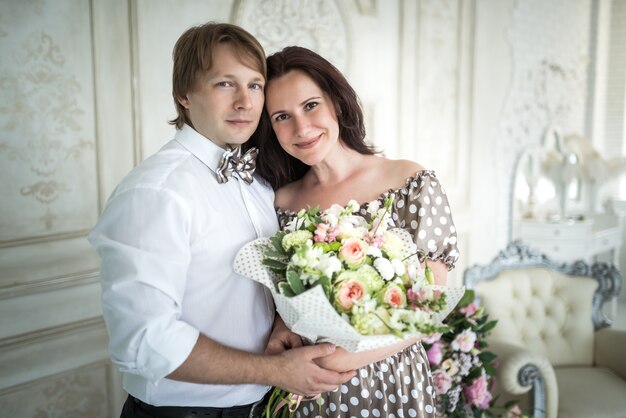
{"x": 143, "y": 240}
{"x": 423, "y": 210}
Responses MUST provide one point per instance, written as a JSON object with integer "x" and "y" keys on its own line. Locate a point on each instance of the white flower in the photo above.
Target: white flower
{"x": 385, "y": 268}
{"x": 398, "y": 266}
{"x": 335, "y": 211}
{"x": 374, "y": 251}
{"x": 330, "y": 218}
{"x": 352, "y": 206}
{"x": 329, "y": 264}
{"x": 307, "y": 256}
{"x": 291, "y": 225}
{"x": 373, "y": 206}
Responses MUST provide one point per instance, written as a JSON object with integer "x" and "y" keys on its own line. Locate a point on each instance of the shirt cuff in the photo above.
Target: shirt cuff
{"x": 167, "y": 351}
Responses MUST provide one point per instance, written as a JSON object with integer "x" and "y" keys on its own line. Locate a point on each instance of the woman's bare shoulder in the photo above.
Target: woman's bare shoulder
{"x": 400, "y": 170}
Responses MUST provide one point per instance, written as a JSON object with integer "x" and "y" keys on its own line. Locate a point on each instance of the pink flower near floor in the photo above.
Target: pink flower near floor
{"x": 442, "y": 382}
{"x": 464, "y": 341}
{"x": 435, "y": 355}
{"x": 478, "y": 393}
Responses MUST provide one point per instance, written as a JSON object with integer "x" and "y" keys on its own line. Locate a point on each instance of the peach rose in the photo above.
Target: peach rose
{"x": 353, "y": 252}
{"x": 348, "y": 292}
{"x": 395, "y": 297}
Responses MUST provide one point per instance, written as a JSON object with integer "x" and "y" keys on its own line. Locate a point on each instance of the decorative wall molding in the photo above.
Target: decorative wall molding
{"x": 367, "y": 7}
{"x": 82, "y": 392}
{"x": 46, "y": 118}
{"x": 319, "y": 25}
{"x": 548, "y": 86}
{"x": 49, "y": 284}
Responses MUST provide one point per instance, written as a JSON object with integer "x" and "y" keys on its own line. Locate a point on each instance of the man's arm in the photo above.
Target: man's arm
{"x": 293, "y": 370}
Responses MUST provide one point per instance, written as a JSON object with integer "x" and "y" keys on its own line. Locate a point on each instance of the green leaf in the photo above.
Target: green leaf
{"x": 489, "y": 369}
{"x": 277, "y": 242}
{"x": 285, "y": 289}
{"x": 275, "y": 265}
{"x": 487, "y": 356}
{"x": 489, "y": 326}
{"x": 294, "y": 281}
{"x": 468, "y": 297}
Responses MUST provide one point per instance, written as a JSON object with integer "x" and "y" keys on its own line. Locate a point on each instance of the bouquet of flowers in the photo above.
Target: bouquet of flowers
{"x": 336, "y": 277}
{"x": 370, "y": 275}
{"x": 463, "y": 370}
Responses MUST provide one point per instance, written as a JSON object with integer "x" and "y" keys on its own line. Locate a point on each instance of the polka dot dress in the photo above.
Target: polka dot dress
{"x": 401, "y": 385}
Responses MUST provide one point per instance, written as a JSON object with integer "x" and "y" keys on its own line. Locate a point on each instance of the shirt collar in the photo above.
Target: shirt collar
{"x": 200, "y": 146}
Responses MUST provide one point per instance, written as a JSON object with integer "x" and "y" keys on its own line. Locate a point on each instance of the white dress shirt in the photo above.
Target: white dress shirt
{"x": 168, "y": 237}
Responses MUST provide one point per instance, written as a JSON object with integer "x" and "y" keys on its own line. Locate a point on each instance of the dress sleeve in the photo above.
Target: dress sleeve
{"x": 422, "y": 209}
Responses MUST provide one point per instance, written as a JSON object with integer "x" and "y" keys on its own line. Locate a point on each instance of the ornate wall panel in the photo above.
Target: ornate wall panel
{"x": 548, "y": 86}
{"x": 47, "y": 119}
{"x": 81, "y": 393}
{"x": 315, "y": 24}
{"x": 66, "y": 138}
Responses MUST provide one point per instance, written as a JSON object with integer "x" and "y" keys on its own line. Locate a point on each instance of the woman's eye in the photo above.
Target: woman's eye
{"x": 280, "y": 117}
{"x": 256, "y": 86}
{"x": 310, "y": 105}
{"x": 224, "y": 84}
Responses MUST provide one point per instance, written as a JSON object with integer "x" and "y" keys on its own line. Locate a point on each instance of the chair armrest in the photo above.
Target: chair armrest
{"x": 521, "y": 370}
{"x": 609, "y": 350}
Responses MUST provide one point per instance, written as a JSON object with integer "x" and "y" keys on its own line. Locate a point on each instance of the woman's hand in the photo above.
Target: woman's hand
{"x": 282, "y": 338}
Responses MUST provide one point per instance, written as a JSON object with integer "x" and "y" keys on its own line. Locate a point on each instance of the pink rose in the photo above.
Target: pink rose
{"x": 353, "y": 251}
{"x": 434, "y": 353}
{"x": 478, "y": 393}
{"x": 394, "y": 296}
{"x": 349, "y": 292}
{"x": 469, "y": 310}
{"x": 464, "y": 341}
{"x": 442, "y": 382}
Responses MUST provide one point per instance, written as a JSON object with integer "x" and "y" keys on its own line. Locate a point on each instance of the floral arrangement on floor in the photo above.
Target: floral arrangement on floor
{"x": 463, "y": 370}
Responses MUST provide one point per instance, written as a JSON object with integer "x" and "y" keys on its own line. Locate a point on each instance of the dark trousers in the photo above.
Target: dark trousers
{"x": 134, "y": 408}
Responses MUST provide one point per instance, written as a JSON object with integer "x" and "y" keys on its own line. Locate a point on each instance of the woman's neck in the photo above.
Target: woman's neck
{"x": 337, "y": 168}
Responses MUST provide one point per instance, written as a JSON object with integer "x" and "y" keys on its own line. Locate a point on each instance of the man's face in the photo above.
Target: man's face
{"x": 226, "y": 103}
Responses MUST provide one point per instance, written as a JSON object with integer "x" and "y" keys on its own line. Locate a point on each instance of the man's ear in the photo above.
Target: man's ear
{"x": 184, "y": 102}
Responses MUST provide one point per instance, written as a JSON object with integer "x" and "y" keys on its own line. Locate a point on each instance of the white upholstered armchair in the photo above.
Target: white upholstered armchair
{"x": 555, "y": 349}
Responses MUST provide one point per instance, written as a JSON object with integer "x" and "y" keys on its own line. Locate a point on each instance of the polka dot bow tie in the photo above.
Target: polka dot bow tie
{"x": 234, "y": 162}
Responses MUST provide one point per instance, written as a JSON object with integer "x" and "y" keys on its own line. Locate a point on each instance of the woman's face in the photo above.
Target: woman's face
{"x": 302, "y": 116}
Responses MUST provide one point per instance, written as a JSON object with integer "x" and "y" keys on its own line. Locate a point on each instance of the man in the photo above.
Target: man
{"x": 187, "y": 332}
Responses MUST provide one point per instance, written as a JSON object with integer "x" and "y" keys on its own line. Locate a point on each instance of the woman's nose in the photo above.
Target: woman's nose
{"x": 301, "y": 126}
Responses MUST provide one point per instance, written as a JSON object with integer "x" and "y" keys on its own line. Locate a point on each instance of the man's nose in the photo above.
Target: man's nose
{"x": 243, "y": 101}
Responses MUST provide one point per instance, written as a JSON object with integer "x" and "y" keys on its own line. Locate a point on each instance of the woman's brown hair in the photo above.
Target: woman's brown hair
{"x": 274, "y": 164}
{"x": 193, "y": 56}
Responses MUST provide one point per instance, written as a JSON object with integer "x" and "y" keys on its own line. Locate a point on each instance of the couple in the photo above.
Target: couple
{"x": 192, "y": 337}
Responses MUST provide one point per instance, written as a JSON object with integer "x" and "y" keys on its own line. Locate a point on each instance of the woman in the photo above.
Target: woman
{"x": 314, "y": 154}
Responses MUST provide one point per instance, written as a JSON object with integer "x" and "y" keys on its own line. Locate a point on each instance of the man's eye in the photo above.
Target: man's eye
{"x": 224, "y": 84}
{"x": 256, "y": 86}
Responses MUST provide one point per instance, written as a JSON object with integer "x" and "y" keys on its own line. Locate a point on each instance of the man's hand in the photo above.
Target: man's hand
{"x": 297, "y": 372}
{"x": 282, "y": 338}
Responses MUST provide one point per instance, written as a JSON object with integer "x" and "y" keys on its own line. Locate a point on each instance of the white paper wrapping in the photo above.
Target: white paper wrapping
{"x": 311, "y": 315}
